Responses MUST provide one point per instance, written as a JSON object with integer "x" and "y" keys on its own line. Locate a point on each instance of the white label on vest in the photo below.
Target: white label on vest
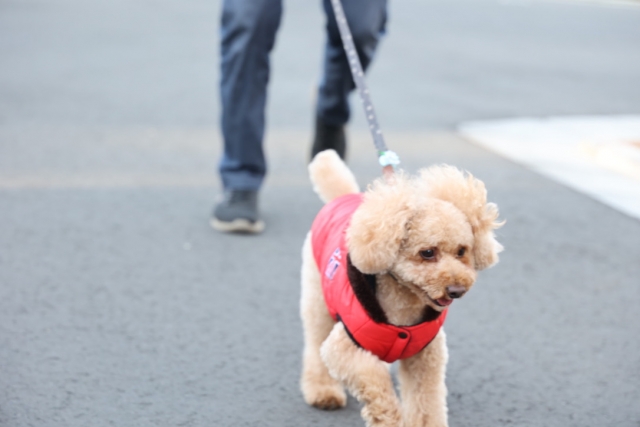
{"x": 333, "y": 264}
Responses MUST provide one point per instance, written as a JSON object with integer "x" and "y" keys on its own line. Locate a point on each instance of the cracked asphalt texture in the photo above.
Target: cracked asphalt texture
{"x": 120, "y": 306}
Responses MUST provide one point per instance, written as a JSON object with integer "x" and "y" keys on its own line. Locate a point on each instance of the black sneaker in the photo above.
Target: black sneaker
{"x": 329, "y": 136}
{"x": 238, "y": 212}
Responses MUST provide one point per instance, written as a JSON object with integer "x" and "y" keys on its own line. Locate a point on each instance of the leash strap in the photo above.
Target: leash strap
{"x": 388, "y": 159}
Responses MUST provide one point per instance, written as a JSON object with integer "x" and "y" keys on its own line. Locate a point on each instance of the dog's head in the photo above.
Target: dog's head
{"x": 432, "y": 232}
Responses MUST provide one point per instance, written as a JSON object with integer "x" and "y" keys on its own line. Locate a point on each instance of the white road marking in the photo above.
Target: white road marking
{"x": 596, "y": 155}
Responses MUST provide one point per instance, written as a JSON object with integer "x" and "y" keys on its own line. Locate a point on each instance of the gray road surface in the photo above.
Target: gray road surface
{"x": 119, "y": 306}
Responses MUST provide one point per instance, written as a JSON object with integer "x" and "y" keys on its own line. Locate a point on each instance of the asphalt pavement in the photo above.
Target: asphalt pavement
{"x": 120, "y": 306}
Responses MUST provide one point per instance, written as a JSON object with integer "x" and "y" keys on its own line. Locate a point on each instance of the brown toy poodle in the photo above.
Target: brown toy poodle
{"x": 378, "y": 274}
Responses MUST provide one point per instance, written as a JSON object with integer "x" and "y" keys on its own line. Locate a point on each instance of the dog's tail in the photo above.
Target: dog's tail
{"x": 331, "y": 177}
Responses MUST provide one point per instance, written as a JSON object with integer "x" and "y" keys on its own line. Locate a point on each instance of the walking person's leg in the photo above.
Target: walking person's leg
{"x": 367, "y": 20}
{"x": 248, "y": 30}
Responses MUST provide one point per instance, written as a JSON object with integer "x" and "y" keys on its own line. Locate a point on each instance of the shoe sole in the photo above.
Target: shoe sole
{"x": 238, "y": 226}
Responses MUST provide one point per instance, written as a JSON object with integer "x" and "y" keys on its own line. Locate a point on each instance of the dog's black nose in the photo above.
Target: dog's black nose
{"x": 455, "y": 291}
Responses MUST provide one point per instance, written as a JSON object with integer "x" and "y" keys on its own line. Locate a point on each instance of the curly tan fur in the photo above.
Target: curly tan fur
{"x": 470, "y": 197}
{"x": 441, "y": 210}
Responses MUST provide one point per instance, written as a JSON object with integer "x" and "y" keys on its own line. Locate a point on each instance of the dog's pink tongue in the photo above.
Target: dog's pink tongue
{"x": 444, "y": 301}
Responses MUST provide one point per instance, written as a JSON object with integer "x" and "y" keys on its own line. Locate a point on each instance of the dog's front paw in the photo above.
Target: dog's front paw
{"x": 381, "y": 415}
{"x": 324, "y": 396}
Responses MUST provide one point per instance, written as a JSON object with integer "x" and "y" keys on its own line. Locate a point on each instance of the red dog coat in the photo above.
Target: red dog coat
{"x": 387, "y": 341}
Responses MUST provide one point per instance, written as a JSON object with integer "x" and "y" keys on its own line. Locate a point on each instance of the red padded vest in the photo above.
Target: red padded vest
{"x": 328, "y": 240}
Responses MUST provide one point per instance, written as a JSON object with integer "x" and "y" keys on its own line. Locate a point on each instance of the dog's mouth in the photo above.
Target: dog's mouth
{"x": 436, "y": 303}
{"x": 442, "y": 302}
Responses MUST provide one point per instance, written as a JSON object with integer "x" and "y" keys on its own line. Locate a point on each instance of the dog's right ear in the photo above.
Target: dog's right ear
{"x": 379, "y": 225}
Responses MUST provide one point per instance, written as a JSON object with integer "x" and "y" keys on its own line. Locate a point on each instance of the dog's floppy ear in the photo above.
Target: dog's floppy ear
{"x": 486, "y": 248}
{"x": 469, "y": 195}
{"x": 379, "y": 225}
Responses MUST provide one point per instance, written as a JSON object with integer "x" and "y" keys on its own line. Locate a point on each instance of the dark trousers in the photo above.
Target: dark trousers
{"x": 248, "y": 34}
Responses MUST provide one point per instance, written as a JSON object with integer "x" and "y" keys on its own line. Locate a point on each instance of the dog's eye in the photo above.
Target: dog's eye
{"x": 461, "y": 251}
{"x": 428, "y": 254}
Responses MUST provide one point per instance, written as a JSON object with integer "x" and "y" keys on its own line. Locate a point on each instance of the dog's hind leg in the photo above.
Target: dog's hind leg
{"x": 318, "y": 387}
{"x": 422, "y": 387}
{"x": 365, "y": 376}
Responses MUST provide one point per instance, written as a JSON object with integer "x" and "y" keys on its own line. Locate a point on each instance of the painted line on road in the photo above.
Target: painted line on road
{"x": 103, "y": 181}
{"x": 595, "y": 155}
{"x": 130, "y": 182}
